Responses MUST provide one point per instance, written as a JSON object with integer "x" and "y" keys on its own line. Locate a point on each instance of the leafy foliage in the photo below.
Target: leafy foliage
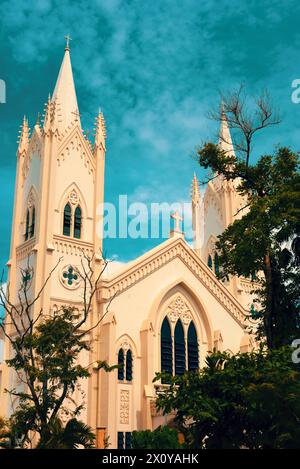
{"x": 47, "y": 359}
{"x": 266, "y": 238}
{"x": 249, "y": 400}
{"x": 74, "y": 435}
{"x": 161, "y": 438}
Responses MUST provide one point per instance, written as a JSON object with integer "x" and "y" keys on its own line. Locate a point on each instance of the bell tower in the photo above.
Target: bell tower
{"x": 58, "y": 203}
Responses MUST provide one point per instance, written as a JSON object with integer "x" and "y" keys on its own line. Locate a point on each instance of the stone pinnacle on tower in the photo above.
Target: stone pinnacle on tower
{"x": 100, "y": 131}
{"x": 24, "y": 138}
{"x": 195, "y": 190}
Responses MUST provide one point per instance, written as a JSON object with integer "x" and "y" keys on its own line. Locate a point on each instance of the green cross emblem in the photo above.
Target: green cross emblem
{"x": 70, "y": 274}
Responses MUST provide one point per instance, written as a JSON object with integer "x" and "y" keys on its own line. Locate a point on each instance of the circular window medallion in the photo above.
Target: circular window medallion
{"x": 70, "y": 277}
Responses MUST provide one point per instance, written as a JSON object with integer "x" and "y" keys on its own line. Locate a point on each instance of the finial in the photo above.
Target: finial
{"x": 68, "y": 39}
{"x": 100, "y": 129}
{"x": 24, "y": 138}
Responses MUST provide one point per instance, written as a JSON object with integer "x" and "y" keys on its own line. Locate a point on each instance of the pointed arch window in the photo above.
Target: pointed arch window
{"x": 27, "y": 224}
{"x": 193, "y": 356}
{"x": 125, "y": 363}
{"x": 77, "y": 223}
{"x": 216, "y": 262}
{"x": 179, "y": 349}
{"x": 209, "y": 262}
{"x": 121, "y": 365}
{"x": 129, "y": 365}
{"x": 67, "y": 220}
{"x": 32, "y": 227}
{"x": 166, "y": 347}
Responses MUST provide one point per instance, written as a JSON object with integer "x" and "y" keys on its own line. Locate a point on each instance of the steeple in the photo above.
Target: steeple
{"x": 225, "y": 140}
{"x": 24, "y": 138}
{"x": 64, "y": 93}
{"x": 195, "y": 190}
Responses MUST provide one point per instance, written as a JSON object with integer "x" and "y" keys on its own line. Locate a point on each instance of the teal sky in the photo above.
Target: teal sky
{"x": 155, "y": 68}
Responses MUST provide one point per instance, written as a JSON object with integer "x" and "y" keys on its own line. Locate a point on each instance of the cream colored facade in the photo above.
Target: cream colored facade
{"x": 57, "y": 165}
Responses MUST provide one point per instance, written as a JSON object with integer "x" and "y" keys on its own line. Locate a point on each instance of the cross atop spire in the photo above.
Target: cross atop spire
{"x": 68, "y": 39}
{"x": 64, "y": 93}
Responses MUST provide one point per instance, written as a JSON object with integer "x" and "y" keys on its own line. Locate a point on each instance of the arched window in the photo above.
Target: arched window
{"x": 209, "y": 261}
{"x": 67, "y": 220}
{"x": 77, "y": 223}
{"x": 179, "y": 349}
{"x": 193, "y": 358}
{"x": 129, "y": 365}
{"x": 216, "y": 259}
{"x": 32, "y": 222}
{"x": 166, "y": 347}
{"x": 27, "y": 224}
{"x": 121, "y": 365}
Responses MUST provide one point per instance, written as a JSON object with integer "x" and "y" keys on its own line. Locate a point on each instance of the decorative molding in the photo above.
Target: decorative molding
{"x": 25, "y": 249}
{"x": 66, "y": 245}
{"x": 179, "y": 309}
{"x": 124, "y": 407}
{"x": 77, "y": 142}
{"x": 74, "y": 198}
{"x": 34, "y": 148}
{"x": 178, "y": 248}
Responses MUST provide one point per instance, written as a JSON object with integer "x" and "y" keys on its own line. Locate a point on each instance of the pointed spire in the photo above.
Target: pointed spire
{"x": 100, "y": 135}
{"x": 225, "y": 140}
{"x": 24, "y": 138}
{"x": 195, "y": 190}
{"x": 64, "y": 93}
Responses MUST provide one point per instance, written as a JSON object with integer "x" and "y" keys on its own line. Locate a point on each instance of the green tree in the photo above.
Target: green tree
{"x": 161, "y": 438}
{"x": 46, "y": 350}
{"x": 249, "y": 400}
{"x": 265, "y": 240}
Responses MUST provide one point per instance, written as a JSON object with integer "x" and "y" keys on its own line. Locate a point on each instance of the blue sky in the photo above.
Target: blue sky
{"x": 155, "y": 68}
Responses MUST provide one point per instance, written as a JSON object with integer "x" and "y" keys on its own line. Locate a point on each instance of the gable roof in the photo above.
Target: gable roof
{"x": 156, "y": 258}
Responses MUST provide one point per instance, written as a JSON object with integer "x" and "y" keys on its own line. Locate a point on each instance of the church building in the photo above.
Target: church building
{"x": 165, "y": 309}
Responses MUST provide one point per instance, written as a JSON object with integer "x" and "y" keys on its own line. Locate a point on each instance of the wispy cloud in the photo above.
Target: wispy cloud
{"x": 155, "y": 69}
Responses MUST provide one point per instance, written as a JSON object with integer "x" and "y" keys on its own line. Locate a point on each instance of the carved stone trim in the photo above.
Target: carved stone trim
{"x": 179, "y": 309}
{"x": 124, "y": 407}
{"x": 74, "y": 247}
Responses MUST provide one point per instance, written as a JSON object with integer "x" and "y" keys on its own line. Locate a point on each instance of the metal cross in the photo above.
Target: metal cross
{"x": 68, "y": 39}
